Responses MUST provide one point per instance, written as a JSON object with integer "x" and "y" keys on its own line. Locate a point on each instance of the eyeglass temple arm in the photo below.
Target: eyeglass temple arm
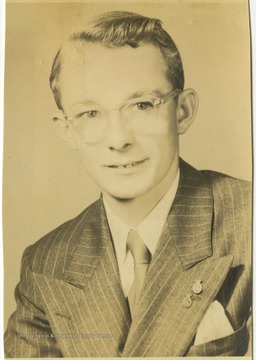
{"x": 170, "y": 95}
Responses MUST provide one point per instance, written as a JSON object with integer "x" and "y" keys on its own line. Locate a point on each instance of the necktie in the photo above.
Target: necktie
{"x": 141, "y": 256}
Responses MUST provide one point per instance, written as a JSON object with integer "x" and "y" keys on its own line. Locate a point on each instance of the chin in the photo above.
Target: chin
{"x": 125, "y": 194}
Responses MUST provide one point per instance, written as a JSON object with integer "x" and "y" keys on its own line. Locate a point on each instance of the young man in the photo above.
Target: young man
{"x": 159, "y": 265}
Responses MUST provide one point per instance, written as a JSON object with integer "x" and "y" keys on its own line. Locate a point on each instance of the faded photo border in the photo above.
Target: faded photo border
{"x": 2, "y": 52}
{"x": 15, "y": 198}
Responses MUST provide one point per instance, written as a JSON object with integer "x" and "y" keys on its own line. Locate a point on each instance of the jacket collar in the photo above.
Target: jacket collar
{"x": 190, "y": 218}
{"x": 90, "y": 245}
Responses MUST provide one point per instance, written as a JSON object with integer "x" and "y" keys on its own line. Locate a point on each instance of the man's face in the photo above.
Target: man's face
{"x": 124, "y": 163}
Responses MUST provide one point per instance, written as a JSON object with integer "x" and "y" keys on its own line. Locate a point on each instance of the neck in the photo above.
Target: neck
{"x": 134, "y": 211}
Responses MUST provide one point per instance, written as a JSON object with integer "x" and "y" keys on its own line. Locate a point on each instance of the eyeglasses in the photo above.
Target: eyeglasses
{"x": 138, "y": 115}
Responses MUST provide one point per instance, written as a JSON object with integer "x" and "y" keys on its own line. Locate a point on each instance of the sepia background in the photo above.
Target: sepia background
{"x": 44, "y": 183}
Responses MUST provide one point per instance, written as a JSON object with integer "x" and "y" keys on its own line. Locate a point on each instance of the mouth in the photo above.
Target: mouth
{"x": 126, "y": 166}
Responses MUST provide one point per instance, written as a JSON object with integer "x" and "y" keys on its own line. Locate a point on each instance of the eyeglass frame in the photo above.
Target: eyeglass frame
{"x": 156, "y": 102}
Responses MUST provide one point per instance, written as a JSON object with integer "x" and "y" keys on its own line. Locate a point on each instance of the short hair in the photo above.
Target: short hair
{"x": 120, "y": 28}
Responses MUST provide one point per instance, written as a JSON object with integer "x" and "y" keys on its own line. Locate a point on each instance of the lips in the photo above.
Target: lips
{"x": 125, "y": 166}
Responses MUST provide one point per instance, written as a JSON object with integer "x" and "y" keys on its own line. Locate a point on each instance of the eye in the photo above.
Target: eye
{"x": 145, "y": 105}
{"x": 88, "y": 114}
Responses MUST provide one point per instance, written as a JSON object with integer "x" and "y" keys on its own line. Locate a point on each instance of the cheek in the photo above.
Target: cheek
{"x": 168, "y": 151}
{"x": 89, "y": 157}
{"x": 163, "y": 147}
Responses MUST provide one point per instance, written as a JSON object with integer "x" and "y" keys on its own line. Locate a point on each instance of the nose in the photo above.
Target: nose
{"x": 118, "y": 136}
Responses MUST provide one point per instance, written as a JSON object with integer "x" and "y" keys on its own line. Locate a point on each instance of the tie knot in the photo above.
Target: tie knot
{"x": 140, "y": 252}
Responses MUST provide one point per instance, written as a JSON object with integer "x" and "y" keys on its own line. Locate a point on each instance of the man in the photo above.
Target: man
{"x": 159, "y": 265}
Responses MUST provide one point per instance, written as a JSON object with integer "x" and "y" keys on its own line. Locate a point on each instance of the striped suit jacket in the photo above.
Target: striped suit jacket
{"x": 70, "y": 301}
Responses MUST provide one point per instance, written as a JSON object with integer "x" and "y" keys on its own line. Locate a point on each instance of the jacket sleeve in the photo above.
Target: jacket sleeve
{"x": 28, "y": 332}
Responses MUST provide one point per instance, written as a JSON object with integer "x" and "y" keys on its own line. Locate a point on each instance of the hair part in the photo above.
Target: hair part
{"x": 117, "y": 29}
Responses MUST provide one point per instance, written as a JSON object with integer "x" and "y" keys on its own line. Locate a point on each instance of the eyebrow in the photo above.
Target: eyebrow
{"x": 138, "y": 94}
{"x": 89, "y": 102}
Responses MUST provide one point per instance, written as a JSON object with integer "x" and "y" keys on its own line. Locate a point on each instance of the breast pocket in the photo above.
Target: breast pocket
{"x": 235, "y": 344}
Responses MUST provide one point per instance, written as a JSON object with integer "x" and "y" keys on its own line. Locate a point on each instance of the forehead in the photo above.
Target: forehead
{"x": 95, "y": 70}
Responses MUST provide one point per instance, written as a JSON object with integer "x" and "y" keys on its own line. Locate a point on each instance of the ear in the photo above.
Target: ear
{"x": 63, "y": 130}
{"x": 186, "y": 110}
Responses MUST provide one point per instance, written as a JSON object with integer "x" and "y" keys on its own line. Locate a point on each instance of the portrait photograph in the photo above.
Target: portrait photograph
{"x": 127, "y": 179}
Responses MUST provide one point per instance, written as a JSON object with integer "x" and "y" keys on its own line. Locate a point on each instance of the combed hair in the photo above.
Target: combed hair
{"x": 117, "y": 29}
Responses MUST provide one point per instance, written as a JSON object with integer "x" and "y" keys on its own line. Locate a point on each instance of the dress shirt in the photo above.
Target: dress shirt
{"x": 149, "y": 229}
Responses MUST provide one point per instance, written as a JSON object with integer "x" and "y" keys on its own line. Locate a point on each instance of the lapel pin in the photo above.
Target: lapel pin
{"x": 187, "y": 301}
{"x": 197, "y": 287}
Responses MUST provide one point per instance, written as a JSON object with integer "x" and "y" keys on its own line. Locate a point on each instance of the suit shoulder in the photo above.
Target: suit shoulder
{"x": 224, "y": 187}
{"x": 232, "y": 215}
{"x": 229, "y": 188}
{"x": 232, "y": 198}
{"x": 50, "y": 252}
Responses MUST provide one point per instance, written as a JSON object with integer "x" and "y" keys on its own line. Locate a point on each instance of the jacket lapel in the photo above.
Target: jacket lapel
{"x": 165, "y": 325}
{"x": 87, "y": 304}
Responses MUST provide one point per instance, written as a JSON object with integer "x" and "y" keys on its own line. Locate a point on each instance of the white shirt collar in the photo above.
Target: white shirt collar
{"x": 149, "y": 229}
{"x": 119, "y": 231}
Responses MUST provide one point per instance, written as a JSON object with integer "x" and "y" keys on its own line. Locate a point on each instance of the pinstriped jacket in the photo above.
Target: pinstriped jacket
{"x": 70, "y": 301}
